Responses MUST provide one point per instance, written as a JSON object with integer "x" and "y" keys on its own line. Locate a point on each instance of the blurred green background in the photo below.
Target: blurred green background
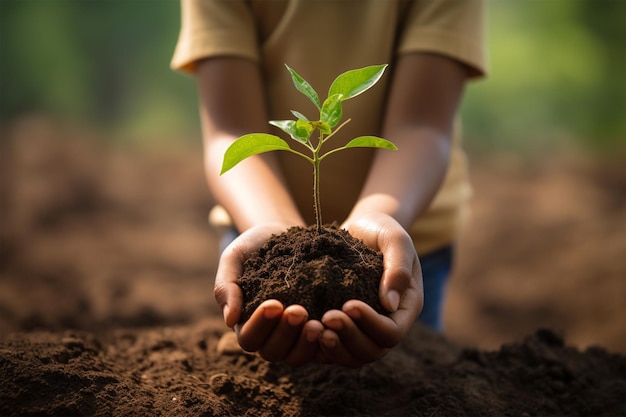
{"x": 557, "y": 71}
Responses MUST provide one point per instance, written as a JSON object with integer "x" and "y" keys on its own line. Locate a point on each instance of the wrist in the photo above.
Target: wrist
{"x": 221, "y": 219}
{"x": 381, "y": 204}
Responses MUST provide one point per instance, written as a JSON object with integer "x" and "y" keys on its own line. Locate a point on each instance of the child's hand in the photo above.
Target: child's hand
{"x": 358, "y": 335}
{"x": 277, "y": 333}
{"x": 352, "y": 337}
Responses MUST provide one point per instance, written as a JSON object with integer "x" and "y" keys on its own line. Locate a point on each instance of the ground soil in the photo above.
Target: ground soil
{"x": 106, "y": 267}
{"x": 319, "y": 270}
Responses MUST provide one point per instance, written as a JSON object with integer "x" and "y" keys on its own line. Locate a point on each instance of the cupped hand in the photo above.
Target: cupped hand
{"x": 278, "y": 333}
{"x": 357, "y": 334}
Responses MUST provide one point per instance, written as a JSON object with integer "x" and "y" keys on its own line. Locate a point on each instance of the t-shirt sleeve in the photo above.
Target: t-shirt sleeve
{"x": 453, "y": 28}
{"x": 214, "y": 28}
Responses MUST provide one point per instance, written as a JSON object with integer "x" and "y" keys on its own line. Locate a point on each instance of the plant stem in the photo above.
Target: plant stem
{"x": 316, "y": 197}
{"x": 316, "y": 185}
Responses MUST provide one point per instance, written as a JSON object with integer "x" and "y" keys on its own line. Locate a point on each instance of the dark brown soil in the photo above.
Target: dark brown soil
{"x": 317, "y": 270}
{"x": 106, "y": 307}
{"x": 179, "y": 372}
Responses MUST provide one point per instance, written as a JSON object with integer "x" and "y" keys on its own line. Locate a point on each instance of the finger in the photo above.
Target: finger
{"x": 401, "y": 268}
{"x": 331, "y": 346}
{"x": 229, "y": 298}
{"x": 285, "y": 334}
{"x": 357, "y": 343}
{"x": 307, "y": 346}
{"x": 409, "y": 309}
{"x": 226, "y": 291}
{"x": 382, "y": 330}
{"x": 254, "y": 333}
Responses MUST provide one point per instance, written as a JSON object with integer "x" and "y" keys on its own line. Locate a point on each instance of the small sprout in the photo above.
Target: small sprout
{"x": 346, "y": 86}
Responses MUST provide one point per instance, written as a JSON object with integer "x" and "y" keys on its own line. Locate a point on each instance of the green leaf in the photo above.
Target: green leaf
{"x": 251, "y": 144}
{"x": 331, "y": 111}
{"x": 298, "y": 132}
{"x": 371, "y": 142}
{"x": 304, "y": 128}
{"x": 287, "y": 126}
{"x": 354, "y": 82}
{"x": 299, "y": 115}
{"x": 324, "y": 128}
{"x": 304, "y": 87}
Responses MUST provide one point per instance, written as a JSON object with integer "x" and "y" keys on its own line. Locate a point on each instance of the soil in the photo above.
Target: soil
{"x": 106, "y": 307}
{"x": 317, "y": 270}
{"x": 186, "y": 371}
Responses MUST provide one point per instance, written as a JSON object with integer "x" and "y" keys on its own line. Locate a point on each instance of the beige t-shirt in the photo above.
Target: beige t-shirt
{"x": 320, "y": 39}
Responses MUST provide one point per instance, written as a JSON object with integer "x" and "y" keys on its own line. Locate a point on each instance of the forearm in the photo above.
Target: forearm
{"x": 423, "y": 101}
{"x": 253, "y": 193}
{"x": 402, "y": 184}
{"x": 232, "y": 103}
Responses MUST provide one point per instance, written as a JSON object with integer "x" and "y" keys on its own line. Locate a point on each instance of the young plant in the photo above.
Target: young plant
{"x": 346, "y": 86}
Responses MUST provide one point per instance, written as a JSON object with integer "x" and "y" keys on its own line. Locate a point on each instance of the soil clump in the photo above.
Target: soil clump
{"x": 319, "y": 270}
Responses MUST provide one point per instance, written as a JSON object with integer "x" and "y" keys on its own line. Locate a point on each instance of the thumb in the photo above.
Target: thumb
{"x": 401, "y": 269}
{"x": 226, "y": 291}
{"x": 395, "y": 281}
{"x": 229, "y": 298}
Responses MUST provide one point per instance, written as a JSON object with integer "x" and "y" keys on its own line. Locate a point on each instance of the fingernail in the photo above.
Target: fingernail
{"x": 394, "y": 300}
{"x": 334, "y": 324}
{"x": 225, "y": 311}
{"x": 354, "y": 313}
{"x": 295, "y": 319}
{"x": 271, "y": 312}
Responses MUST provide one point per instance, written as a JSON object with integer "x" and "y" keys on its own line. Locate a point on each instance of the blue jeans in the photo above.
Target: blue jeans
{"x": 436, "y": 267}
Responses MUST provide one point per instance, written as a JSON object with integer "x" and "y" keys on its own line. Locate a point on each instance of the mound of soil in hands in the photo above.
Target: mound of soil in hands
{"x": 200, "y": 371}
{"x": 317, "y": 270}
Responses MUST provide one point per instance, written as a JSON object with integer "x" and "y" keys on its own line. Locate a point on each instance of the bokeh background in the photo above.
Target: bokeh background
{"x": 104, "y": 208}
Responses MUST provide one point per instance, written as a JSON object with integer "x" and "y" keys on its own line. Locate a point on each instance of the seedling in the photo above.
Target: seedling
{"x": 346, "y": 86}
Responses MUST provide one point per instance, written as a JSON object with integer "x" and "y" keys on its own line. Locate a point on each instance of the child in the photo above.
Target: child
{"x": 403, "y": 203}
